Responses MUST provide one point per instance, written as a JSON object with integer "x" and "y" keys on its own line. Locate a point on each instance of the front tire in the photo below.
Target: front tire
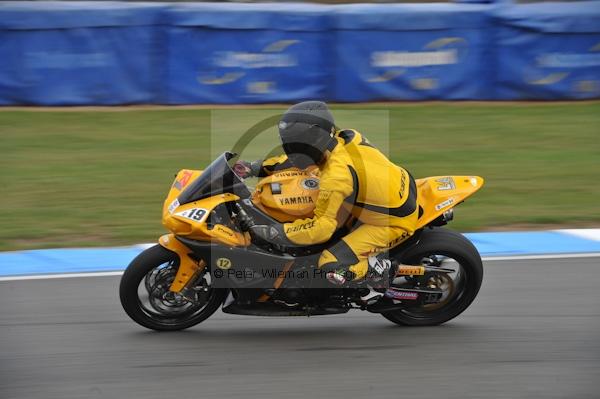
{"x": 145, "y": 296}
{"x": 439, "y": 243}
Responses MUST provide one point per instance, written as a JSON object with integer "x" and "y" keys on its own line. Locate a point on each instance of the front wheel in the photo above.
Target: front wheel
{"x": 145, "y": 295}
{"x": 448, "y": 249}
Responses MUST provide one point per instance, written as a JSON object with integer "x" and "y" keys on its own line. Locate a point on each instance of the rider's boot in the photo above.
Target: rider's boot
{"x": 377, "y": 279}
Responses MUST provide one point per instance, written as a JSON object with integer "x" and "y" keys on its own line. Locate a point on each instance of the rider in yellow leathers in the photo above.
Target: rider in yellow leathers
{"x": 356, "y": 181}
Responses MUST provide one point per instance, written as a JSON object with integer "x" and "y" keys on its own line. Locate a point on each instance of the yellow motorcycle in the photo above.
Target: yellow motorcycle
{"x": 209, "y": 260}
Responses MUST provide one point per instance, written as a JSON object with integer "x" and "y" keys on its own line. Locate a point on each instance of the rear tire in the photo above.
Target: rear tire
{"x": 448, "y": 243}
{"x": 149, "y": 315}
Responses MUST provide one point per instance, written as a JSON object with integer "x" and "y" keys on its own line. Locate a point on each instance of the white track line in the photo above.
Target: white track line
{"x": 59, "y": 275}
{"x": 588, "y": 234}
{"x": 118, "y": 273}
{"x": 550, "y": 256}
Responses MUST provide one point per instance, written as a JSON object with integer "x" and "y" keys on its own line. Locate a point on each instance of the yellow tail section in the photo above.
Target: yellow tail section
{"x": 440, "y": 193}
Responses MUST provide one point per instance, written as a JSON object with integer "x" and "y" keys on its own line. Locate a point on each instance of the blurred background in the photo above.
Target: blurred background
{"x": 103, "y": 102}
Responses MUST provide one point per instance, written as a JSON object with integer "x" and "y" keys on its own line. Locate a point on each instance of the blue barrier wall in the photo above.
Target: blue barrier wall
{"x": 548, "y": 51}
{"x": 249, "y": 53}
{"x": 54, "y": 53}
{"x": 411, "y": 52}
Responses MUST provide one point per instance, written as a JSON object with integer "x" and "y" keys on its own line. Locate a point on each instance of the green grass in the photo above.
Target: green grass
{"x": 90, "y": 178}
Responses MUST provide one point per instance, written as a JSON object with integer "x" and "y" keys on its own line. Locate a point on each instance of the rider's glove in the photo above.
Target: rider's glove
{"x": 246, "y": 169}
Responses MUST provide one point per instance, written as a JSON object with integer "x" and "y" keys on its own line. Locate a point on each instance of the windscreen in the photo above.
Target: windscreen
{"x": 217, "y": 178}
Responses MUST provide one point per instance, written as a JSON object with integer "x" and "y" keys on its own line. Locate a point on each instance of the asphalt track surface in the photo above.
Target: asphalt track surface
{"x": 533, "y": 332}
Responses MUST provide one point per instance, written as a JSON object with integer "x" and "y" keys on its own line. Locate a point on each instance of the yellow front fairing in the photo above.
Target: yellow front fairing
{"x": 439, "y": 194}
{"x": 190, "y": 220}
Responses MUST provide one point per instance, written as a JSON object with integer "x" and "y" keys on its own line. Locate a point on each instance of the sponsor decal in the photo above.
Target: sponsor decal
{"x": 445, "y": 183}
{"x": 391, "y": 244}
{"x": 310, "y": 184}
{"x": 437, "y": 53}
{"x": 282, "y": 125}
{"x": 304, "y": 226}
{"x": 568, "y": 60}
{"x": 444, "y": 204}
{"x": 195, "y": 214}
{"x": 473, "y": 181}
{"x": 184, "y": 180}
{"x": 224, "y": 230}
{"x": 173, "y": 206}
{"x": 413, "y": 59}
{"x": 250, "y": 60}
{"x": 223, "y": 263}
{"x": 295, "y": 200}
{"x": 402, "y": 295}
{"x": 289, "y": 174}
{"x": 274, "y": 55}
{"x": 402, "y": 184}
{"x": 550, "y": 68}
{"x": 406, "y": 270}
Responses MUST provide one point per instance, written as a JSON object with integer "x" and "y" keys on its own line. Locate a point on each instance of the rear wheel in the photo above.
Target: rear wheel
{"x": 447, "y": 249}
{"x": 145, "y": 295}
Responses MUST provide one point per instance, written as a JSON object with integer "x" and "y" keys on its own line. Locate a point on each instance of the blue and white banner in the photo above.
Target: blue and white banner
{"x": 271, "y": 55}
{"x": 548, "y": 51}
{"x": 61, "y": 53}
{"x": 411, "y": 52}
{"x": 87, "y": 53}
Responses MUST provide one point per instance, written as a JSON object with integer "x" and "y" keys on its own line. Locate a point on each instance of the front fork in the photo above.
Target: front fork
{"x": 189, "y": 269}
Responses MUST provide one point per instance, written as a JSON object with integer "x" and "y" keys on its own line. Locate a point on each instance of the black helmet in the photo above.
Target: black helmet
{"x": 306, "y": 131}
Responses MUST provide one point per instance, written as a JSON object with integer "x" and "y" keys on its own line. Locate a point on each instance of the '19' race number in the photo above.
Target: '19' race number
{"x": 196, "y": 214}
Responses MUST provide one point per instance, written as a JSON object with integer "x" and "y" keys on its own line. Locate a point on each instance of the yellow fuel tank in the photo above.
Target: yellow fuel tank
{"x": 288, "y": 195}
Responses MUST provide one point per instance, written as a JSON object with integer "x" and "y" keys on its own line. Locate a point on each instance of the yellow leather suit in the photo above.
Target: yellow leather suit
{"x": 357, "y": 180}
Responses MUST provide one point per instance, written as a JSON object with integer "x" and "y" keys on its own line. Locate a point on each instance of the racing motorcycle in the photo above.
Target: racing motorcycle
{"x": 209, "y": 260}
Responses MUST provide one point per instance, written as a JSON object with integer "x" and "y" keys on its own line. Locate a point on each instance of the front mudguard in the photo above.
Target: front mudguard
{"x": 188, "y": 266}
